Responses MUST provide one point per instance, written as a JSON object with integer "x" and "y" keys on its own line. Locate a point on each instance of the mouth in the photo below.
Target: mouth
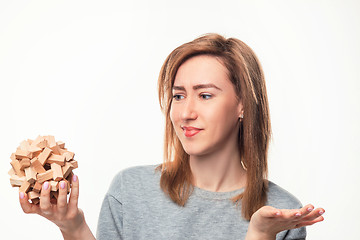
{"x": 191, "y": 131}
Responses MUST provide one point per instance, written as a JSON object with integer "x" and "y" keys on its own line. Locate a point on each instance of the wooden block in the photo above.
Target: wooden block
{"x": 35, "y": 201}
{"x": 39, "y": 142}
{"x": 74, "y": 163}
{"x": 20, "y": 154}
{"x": 24, "y": 145}
{"x": 17, "y": 168}
{"x": 35, "y": 151}
{"x": 37, "y": 187}
{"x": 32, "y": 195}
{"x": 12, "y": 157}
{"x": 24, "y": 163}
{"x": 61, "y": 144}
{"x": 25, "y": 186}
{"x": 57, "y": 172}
{"x": 69, "y": 177}
{"x": 54, "y": 186}
{"x": 43, "y": 144}
{"x": 50, "y": 140}
{"x": 54, "y": 195}
{"x": 30, "y": 141}
{"x": 56, "y": 149}
{"x": 17, "y": 181}
{"x": 30, "y": 174}
{"x": 68, "y": 155}
{"x": 67, "y": 169}
{"x": 58, "y": 159}
{"x": 43, "y": 156}
{"x": 35, "y": 163}
{"x": 11, "y": 172}
{"x": 42, "y": 177}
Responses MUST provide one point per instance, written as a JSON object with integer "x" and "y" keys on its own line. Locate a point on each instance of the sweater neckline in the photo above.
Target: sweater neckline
{"x": 216, "y": 195}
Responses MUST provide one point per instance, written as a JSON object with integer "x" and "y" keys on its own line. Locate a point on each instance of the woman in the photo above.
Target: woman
{"x": 212, "y": 184}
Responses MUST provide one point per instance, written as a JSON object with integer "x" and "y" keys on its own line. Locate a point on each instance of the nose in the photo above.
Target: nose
{"x": 189, "y": 111}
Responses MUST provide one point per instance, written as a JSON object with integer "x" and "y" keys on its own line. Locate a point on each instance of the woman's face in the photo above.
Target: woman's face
{"x": 204, "y": 110}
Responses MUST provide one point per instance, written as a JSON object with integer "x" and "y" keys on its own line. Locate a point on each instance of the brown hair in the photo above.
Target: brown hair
{"x": 246, "y": 75}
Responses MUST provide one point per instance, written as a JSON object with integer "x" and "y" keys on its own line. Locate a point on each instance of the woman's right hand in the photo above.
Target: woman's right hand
{"x": 266, "y": 222}
{"x": 66, "y": 215}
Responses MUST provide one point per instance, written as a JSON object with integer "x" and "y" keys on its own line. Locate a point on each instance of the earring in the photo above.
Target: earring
{"x": 243, "y": 165}
{"x": 241, "y": 117}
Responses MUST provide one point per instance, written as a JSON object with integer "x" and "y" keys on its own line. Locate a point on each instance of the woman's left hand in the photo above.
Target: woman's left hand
{"x": 266, "y": 222}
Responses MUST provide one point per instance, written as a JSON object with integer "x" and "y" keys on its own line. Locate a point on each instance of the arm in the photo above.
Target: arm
{"x": 268, "y": 221}
{"x": 110, "y": 224}
{"x": 67, "y": 216}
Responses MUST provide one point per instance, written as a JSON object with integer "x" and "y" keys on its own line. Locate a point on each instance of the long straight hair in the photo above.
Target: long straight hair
{"x": 246, "y": 75}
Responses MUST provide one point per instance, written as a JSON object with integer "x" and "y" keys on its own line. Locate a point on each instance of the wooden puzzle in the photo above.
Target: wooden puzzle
{"x": 40, "y": 160}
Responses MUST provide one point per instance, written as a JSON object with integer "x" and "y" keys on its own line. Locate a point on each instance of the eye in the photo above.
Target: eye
{"x": 178, "y": 97}
{"x": 205, "y": 96}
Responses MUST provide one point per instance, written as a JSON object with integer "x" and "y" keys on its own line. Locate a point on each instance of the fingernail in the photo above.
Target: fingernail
{"x": 321, "y": 212}
{"x": 277, "y": 213}
{"x": 74, "y": 178}
{"x": 310, "y": 209}
{"x": 45, "y": 185}
{"x": 62, "y": 185}
{"x": 298, "y": 214}
{"x": 22, "y": 195}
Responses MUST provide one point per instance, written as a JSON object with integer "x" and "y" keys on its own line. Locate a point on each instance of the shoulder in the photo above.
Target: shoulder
{"x": 280, "y": 198}
{"x": 134, "y": 179}
{"x": 136, "y": 172}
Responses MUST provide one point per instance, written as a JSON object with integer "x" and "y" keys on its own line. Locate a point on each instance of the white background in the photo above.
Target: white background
{"x": 86, "y": 72}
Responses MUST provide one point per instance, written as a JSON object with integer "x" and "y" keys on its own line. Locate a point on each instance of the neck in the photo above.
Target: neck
{"x": 219, "y": 171}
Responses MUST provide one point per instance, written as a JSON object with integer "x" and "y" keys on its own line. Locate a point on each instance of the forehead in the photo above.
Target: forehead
{"x": 202, "y": 69}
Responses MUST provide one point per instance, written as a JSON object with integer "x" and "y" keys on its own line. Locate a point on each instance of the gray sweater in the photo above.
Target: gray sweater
{"x": 135, "y": 207}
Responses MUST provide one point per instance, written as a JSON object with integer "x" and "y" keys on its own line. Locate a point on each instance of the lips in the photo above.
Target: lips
{"x": 191, "y": 131}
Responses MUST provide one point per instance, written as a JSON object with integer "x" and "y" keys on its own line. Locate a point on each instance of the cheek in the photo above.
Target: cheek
{"x": 174, "y": 118}
{"x": 172, "y": 115}
{"x": 224, "y": 117}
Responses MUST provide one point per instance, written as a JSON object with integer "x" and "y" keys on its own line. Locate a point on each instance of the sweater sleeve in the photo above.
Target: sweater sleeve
{"x": 110, "y": 224}
{"x": 282, "y": 199}
{"x": 296, "y": 234}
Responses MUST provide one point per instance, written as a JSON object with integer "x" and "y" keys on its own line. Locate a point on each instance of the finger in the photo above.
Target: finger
{"x": 297, "y": 213}
{"x": 314, "y": 214}
{"x": 25, "y": 205}
{"x": 304, "y": 211}
{"x": 74, "y": 195}
{"x": 308, "y": 223}
{"x": 268, "y": 211}
{"x": 307, "y": 209}
{"x": 62, "y": 198}
{"x": 289, "y": 214}
{"x": 45, "y": 205}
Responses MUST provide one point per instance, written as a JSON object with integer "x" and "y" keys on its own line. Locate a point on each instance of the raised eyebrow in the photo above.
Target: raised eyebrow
{"x": 181, "y": 88}
{"x": 196, "y": 87}
{"x": 210, "y": 85}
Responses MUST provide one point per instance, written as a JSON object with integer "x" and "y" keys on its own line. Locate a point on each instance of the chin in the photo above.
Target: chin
{"x": 191, "y": 150}
{"x": 195, "y": 151}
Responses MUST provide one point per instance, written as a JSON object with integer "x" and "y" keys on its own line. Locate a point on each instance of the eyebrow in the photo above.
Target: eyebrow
{"x": 196, "y": 87}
